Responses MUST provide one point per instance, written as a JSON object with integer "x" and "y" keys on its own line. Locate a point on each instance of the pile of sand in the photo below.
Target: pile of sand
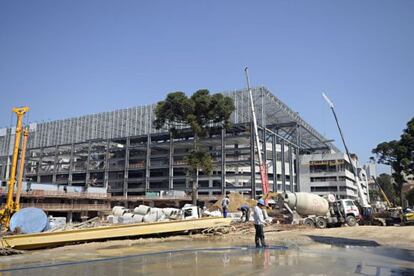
{"x": 236, "y": 200}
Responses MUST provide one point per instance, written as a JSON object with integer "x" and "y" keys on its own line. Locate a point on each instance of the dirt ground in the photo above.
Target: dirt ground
{"x": 392, "y": 236}
{"x": 291, "y": 236}
{"x": 395, "y": 243}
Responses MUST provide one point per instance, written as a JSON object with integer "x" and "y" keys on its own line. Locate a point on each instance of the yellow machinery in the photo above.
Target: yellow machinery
{"x": 21, "y": 169}
{"x": 407, "y": 218}
{"x": 390, "y": 205}
{"x": 10, "y": 207}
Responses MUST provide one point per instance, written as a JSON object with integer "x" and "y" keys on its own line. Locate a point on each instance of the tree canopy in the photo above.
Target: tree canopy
{"x": 199, "y": 112}
{"x": 399, "y": 155}
{"x": 388, "y": 186}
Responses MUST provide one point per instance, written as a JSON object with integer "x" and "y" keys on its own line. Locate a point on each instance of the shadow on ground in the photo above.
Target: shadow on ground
{"x": 343, "y": 241}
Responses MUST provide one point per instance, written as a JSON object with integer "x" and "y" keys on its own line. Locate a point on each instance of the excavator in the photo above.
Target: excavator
{"x": 394, "y": 214}
{"x": 12, "y": 205}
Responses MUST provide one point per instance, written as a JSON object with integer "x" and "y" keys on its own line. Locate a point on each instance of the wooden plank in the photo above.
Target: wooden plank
{"x": 41, "y": 240}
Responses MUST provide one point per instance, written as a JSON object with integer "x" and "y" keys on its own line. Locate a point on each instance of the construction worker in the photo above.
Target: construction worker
{"x": 245, "y": 209}
{"x": 225, "y": 205}
{"x": 259, "y": 221}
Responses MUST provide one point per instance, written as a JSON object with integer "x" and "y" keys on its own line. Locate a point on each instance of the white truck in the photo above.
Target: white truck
{"x": 313, "y": 210}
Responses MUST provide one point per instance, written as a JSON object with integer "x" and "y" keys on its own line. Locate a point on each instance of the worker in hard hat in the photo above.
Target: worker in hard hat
{"x": 259, "y": 222}
{"x": 245, "y": 209}
{"x": 225, "y": 205}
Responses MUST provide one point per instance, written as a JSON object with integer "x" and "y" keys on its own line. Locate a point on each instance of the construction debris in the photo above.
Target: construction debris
{"x": 236, "y": 200}
{"x": 9, "y": 251}
{"x": 218, "y": 231}
{"x": 56, "y": 223}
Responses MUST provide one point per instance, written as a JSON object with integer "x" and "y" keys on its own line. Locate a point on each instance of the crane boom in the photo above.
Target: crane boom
{"x": 363, "y": 199}
{"x": 382, "y": 192}
{"x": 262, "y": 163}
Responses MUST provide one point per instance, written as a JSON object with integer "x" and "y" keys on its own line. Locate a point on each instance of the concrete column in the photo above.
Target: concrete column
{"x": 88, "y": 174}
{"x": 223, "y": 161}
{"x": 171, "y": 163}
{"x": 283, "y": 174}
{"x": 106, "y": 169}
{"x": 3, "y": 171}
{"x": 299, "y": 143}
{"x": 55, "y": 164}
{"x": 147, "y": 163}
{"x": 125, "y": 190}
{"x": 69, "y": 217}
{"x": 274, "y": 160}
{"x": 297, "y": 165}
{"x": 290, "y": 168}
{"x": 70, "y": 177}
{"x": 39, "y": 166}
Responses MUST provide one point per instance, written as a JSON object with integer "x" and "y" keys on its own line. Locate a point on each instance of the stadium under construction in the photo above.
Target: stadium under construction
{"x": 122, "y": 155}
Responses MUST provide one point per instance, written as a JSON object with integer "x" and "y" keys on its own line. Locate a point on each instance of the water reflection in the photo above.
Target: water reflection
{"x": 242, "y": 260}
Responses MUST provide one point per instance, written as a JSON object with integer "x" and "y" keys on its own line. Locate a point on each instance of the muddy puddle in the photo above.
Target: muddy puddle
{"x": 213, "y": 258}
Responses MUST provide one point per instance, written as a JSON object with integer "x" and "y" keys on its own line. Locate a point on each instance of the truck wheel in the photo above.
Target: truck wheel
{"x": 351, "y": 220}
{"x": 309, "y": 222}
{"x": 321, "y": 223}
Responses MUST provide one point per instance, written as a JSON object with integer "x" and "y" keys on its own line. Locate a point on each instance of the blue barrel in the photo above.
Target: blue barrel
{"x": 29, "y": 220}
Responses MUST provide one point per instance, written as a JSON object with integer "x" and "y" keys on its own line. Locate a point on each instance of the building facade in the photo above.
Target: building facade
{"x": 331, "y": 173}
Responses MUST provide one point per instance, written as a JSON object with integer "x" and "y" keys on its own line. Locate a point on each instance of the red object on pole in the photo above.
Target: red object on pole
{"x": 265, "y": 180}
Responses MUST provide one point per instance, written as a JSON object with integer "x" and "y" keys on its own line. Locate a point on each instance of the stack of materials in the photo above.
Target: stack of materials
{"x": 56, "y": 223}
{"x": 142, "y": 213}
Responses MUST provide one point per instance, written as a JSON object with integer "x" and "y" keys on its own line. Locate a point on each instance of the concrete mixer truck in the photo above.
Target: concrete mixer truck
{"x": 313, "y": 210}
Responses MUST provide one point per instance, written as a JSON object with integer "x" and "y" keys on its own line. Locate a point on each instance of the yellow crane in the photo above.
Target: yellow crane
{"x": 10, "y": 207}
{"x": 21, "y": 169}
{"x": 383, "y": 193}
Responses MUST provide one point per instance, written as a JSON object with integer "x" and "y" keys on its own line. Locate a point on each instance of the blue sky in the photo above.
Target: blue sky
{"x": 69, "y": 58}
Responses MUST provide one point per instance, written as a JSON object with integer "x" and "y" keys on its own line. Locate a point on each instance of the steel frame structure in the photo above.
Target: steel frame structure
{"x": 121, "y": 150}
